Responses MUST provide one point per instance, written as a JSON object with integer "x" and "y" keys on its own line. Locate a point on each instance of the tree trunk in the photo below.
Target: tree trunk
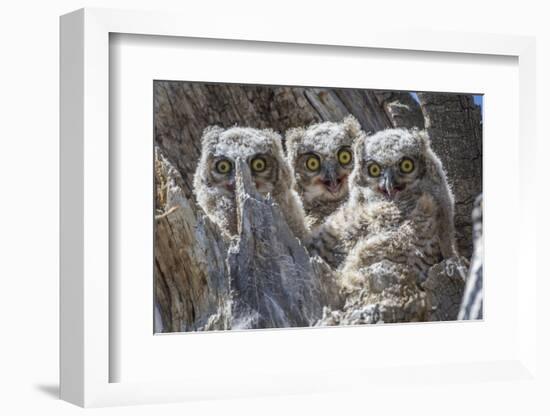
{"x": 401, "y": 108}
{"x": 190, "y": 272}
{"x": 274, "y": 283}
{"x": 454, "y": 124}
{"x": 444, "y": 288}
{"x": 472, "y": 302}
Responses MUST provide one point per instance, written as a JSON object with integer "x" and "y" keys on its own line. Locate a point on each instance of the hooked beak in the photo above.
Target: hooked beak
{"x": 387, "y": 184}
{"x": 331, "y": 180}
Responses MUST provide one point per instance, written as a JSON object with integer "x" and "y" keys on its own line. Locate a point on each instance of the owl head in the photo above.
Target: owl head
{"x": 322, "y": 158}
{"x": 393, "y": 163}
{"x": 260, "y": 149}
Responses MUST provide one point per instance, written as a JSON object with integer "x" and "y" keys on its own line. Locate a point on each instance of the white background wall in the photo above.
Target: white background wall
{"x": 29, "y": 187}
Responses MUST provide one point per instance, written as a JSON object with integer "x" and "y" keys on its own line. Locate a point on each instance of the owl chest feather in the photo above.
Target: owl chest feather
{"x": 318, "y": 211}
{"x": 425, "y": 245}
{"x": 407, "y": 230}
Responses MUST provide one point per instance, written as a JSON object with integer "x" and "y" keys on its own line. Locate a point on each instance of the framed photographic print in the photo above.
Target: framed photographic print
{"x": 245, "y": 215}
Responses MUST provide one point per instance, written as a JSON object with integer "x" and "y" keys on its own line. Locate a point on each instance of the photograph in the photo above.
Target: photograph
{"x": 281, "y": 206}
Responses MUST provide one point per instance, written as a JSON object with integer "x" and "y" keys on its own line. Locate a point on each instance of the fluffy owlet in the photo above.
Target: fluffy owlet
{"x": 261, "y": 150}
{"x": 321, "y": 157}
{"x": 398, "y": 184}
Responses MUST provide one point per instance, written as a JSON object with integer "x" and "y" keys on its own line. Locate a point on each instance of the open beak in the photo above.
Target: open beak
{"x": 331, "y": 180}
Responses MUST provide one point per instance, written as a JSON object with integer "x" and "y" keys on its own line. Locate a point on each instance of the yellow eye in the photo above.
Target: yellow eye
{"x": 313, "y": 163}
{"x": 374, "y": 170}
{"x": 223, "y": 166}
{"x": 258, "y": 164}
{"x": 344, "y": 157}
{"x": 406, "y": 165}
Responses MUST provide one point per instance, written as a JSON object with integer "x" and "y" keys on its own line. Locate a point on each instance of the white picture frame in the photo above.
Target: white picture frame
{"x": 86, "y": 356}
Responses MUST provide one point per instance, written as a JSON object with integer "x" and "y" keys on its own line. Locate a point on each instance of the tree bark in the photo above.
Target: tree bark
{"x": 273, "y": 281}
{"x": 190, "y": 272}
{"x": 472, "y": 302}
{"x": 401, "y": 109}
{"x": 454, "y": 124}
{"x": 444, "y": 288}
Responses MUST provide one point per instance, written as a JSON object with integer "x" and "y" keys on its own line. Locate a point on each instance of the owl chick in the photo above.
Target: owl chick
{"x": 397, "y": 180}
{"x": 214, "y": 181}
{"x": 321, "y": 157}
{"x": 379, "y": 277}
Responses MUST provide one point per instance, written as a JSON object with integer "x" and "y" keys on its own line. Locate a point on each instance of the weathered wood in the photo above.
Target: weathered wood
{"x": 401, "y": 109}
{"x": 190, "y": 272}
{"x": 472, "y": 303}
{"x": 395, "y": 296}
{"x": 335, "y": 104}
{"x": 454, "y": 124}
{"x": 273, "y": 282}
{"x": 444, "y": 288}
{"x": 396, "y": 299}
